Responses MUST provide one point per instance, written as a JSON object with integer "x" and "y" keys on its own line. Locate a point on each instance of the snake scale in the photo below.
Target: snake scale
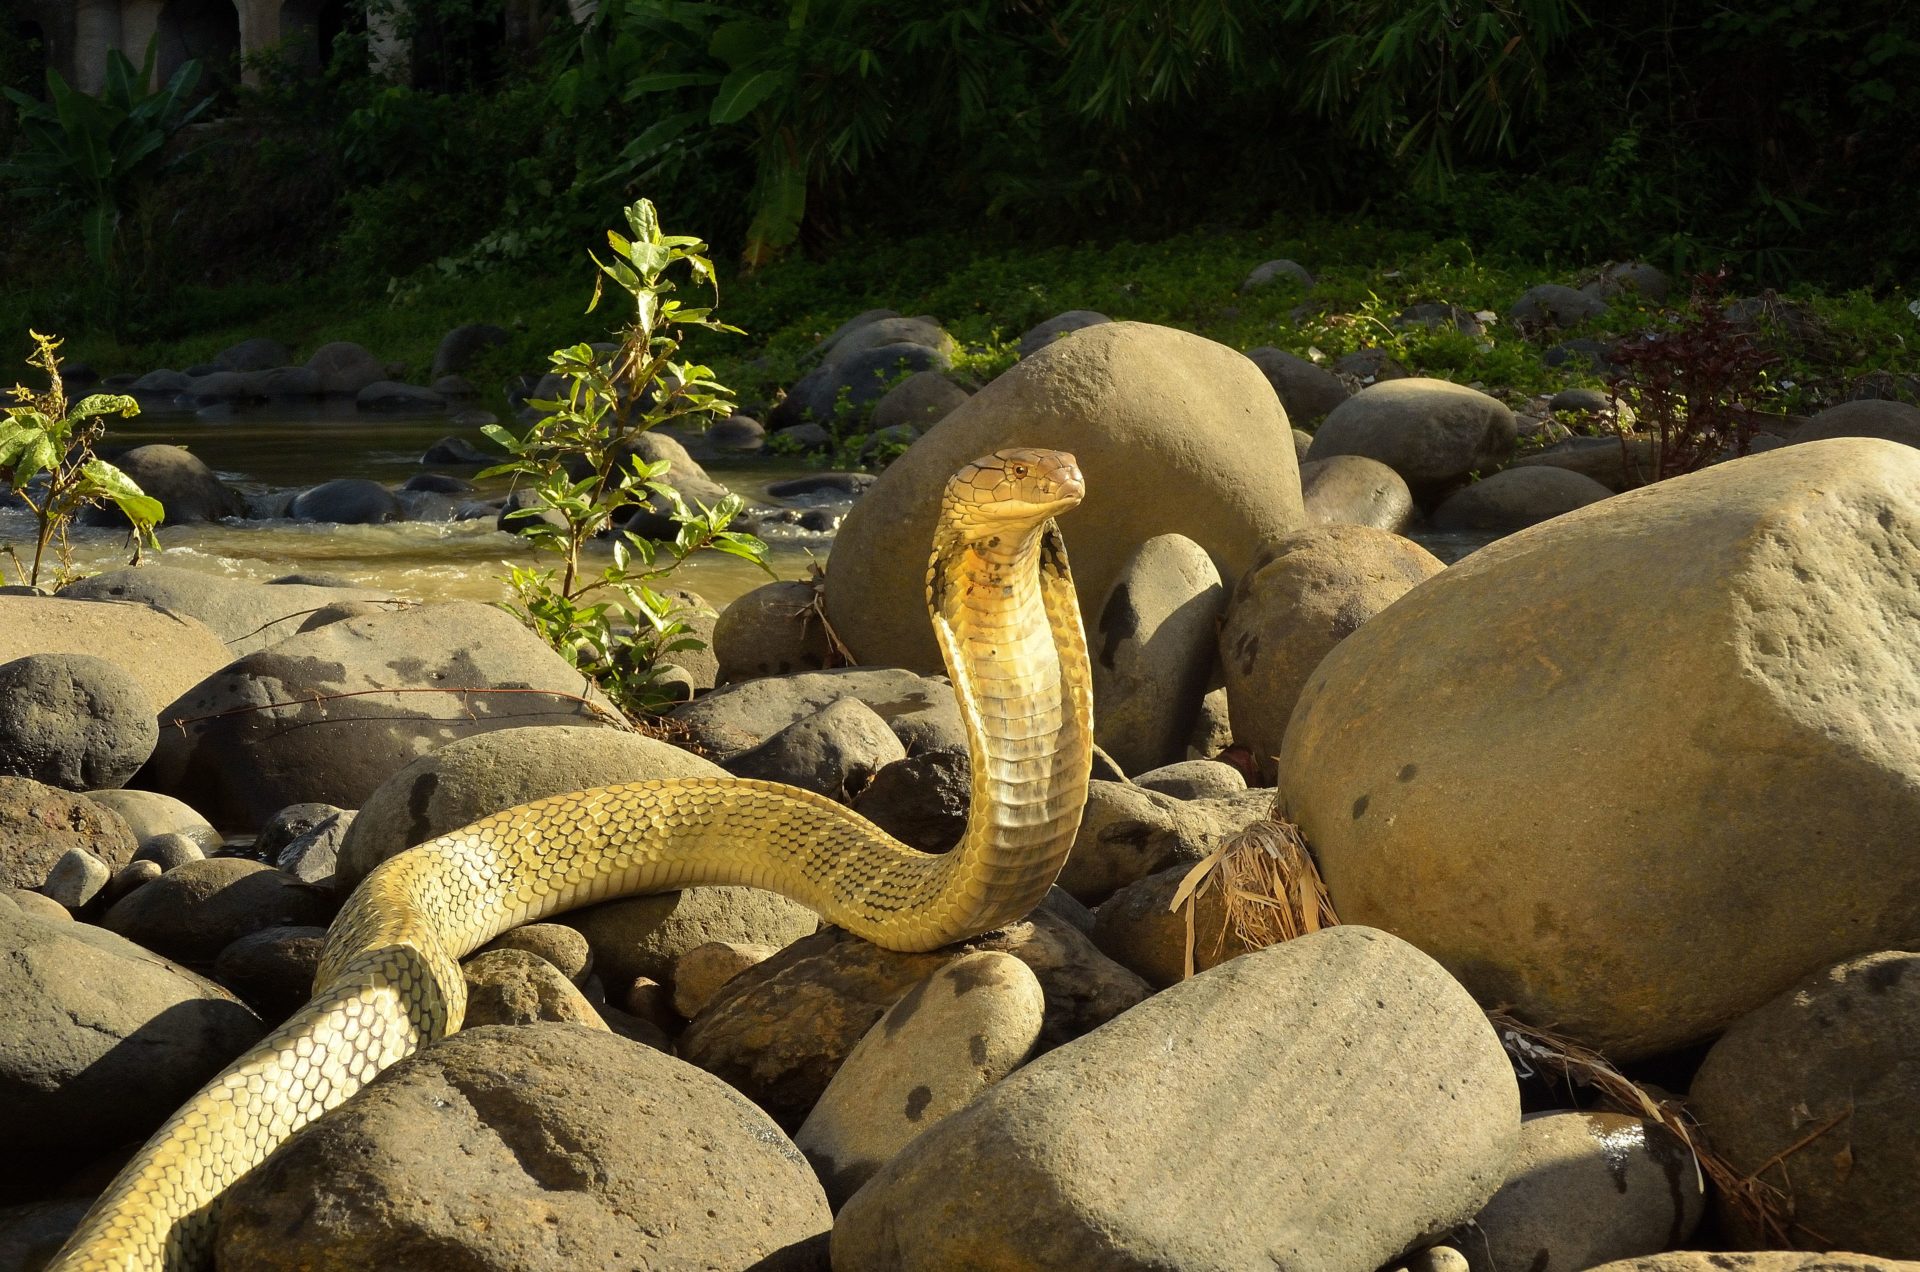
{"x": 1004, "y": 610}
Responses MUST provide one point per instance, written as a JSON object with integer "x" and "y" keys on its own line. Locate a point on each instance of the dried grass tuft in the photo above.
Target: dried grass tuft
{"x": 1270, "y": 888}
{"x": 1766, "y": 1209}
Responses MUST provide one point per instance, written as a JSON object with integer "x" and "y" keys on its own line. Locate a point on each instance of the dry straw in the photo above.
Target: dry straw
{"x": 1273, "y": 892}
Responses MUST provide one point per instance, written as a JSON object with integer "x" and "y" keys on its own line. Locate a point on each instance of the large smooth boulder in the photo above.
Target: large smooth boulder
{"x": 1432, "y": 432}
{"x": 99, "y": 1040}
{"x": 921, "y": 711}
{"x": 1833, "y": 1058}
{"x": 327, "y": 716}
{"x": 39, "y": 824}
{"x": 248, "y": 616}
{"x": 1153, "y": 652}
{"x": 1894, "y": 421}
{"x": 1638, "y": 769}
{"x": 1316, "y": 590}
{"x": 197, "y": 909}
{"x": 188, "y": 490}
{"x": 1325, "y": 1105}
{"x": 1616, "y": 463}
{"x": 1355, "y": 490}
{"x": 538, "y": 1148}
{"x": 1176, "y": 434}
{"x": 168, "y": 653}
{"x": 353, "y": 501}
{"x": 73, "y": 721}
{"x": 645, "y": 936}
{"x": 473, "y": 777}
{"x": 1307, "y": 390}
{"x": 345, "y": 368}
{"x": 1044, "y": 334}
{"x": 1517, "y": 498}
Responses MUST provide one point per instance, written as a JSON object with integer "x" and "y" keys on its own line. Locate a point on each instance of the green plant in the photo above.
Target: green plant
{"x": 46, "y": 456}
{"x": 586, "y": 477}
{"x": 91, "y": 153}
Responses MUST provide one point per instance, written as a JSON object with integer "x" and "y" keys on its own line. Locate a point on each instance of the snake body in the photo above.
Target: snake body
{"x": 1004, "y": 610}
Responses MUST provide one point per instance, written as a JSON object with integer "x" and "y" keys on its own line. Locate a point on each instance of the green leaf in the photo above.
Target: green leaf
{"x": 741, "y": 91}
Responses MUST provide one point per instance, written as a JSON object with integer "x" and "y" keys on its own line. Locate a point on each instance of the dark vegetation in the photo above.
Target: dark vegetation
{"x": 994, "y": 163}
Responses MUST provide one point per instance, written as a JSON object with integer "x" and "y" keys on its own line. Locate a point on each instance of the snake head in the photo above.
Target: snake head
{"x": 1013, "y": 490}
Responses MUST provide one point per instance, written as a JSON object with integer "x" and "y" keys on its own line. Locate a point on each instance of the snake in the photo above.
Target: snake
{"x": 1002, "y": 602}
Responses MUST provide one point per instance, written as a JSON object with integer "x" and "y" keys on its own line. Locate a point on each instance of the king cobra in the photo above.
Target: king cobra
{"x": 389, "y": 982}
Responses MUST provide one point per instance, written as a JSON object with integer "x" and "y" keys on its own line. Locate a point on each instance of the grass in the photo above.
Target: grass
{"x": 988, "y": 292}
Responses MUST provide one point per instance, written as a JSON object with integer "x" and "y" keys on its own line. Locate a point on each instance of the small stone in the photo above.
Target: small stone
{"x": 135, "y": 874}
{"x": 514, "y": 987}
{"x": 272, "y": 970}
{"x": 1194, "y": 779}
{"x": 76, "y": 878}
{"x": 647, "y": 999}
{"x": 703, "y": 971}
{"x": 170, "y": 849}
{"x": 559, "y": 944}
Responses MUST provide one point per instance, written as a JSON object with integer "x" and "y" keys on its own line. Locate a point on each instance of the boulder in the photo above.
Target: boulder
{"x": 272, "y": 969}
{"x": 462, "y": 347}
{"x": 1432, "y": 432}
{"x": 32, "y": 1233}
{"x": 1585, "y": 1189}
{"x": 352, "y": 501}
{"x": 1631, "y": 278}
{"x": 1437, "y": 315}
{"x": 1277, "y": 270}
{"x": 170, "y": 849}
{"x": 1153, "y": 651}
{"x": 1894, "y": 421}
{"x": 1637, "y": 811}
{"x": 918, "y": 402}
{"x": 645, "y": 936}
{"x": 862, "y": 368}
{"x": 1357, "y": 491}
{"x": 1174, "y": 433}
{"x": 168, "y": 653}
{"x": 285, "y": 384}
{"x": 833, "y": 752}
{"x": 1194, "y": 779}
{"x": 247, "y": 616}
{"x": 1368, "y": 365}
{"x": 99, "y": 1041}
{"x": 921, "y": 800}
{"x": 770, "y": 631}
{"x": 861, "y": 319}
{"x": 880, "y": 333}
{"x": 456, "y": 450}
{"x": 74, "y": 721}
{"x": 1139, "y": 928}
{"x": 1127, "y": 833}
{"x": 1817, "y": 1092}
{"x": 1044, "y": 334}
{"x": 1616, "y": 464}
{"x": 1316, "y": 588}
{"x": 560, "y": 945}
{"x": 1326, "y": 1104}
{"x": 472, "y": 777}
{"x": 198, "y": 909}
{"x": 513, "y": 987}
{"x": 779, "y": 1030}
{"x": 257, "y": 354}
{"x": 190, "y": 492}
{"x": 77, "y": 878}
{"x": 149, "y": 815}
{"x": 39, "y": 824}
{"x": 703, "y": 971}
{"x": 390, "y": 397}
{"x": 921, "y": 710}
{"x": 950, "y": 1037}
{"x": 535, "y": 1149}
{"x": 1307, "y": 391}
{"x": 239, "y": 762}
{"x": 223, "y": 391}
{"x": 1553, "y": 305}
{"x": 1517, "y": 498}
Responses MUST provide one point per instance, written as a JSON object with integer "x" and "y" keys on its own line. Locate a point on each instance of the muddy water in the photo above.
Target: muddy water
{"x": 262, "y": 454}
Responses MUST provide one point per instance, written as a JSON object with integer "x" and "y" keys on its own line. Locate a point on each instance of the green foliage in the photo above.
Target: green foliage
{"x": 46, "y": 456}
{"x": 586, "y": 480}
{"x": 89, "y": 154}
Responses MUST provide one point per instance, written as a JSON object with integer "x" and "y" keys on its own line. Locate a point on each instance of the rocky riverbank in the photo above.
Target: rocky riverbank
{"x": 1645, "y": 773}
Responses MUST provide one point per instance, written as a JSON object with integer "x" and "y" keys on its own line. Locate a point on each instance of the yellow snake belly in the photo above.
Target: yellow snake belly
{"x": 1008, "y": 623}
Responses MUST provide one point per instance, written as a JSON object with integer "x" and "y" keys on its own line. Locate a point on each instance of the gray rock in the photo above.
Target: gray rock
{"x": 247, "y": 616}
{"x": 1894, "y": 421}
{"x": 313, "y": 856}
{"x": 542, "y": 1148}
{"x": 462, "y": 347}
{"x": 162, "y": 383}
{"x": 241, "y": 766}
{"x": 1354, "y": 490}
{"x": 1585, "y": 1189}
{"x": 347, "y": 501}
{"x": 257, "y": 354}
{"x": 76, "y": 878}
{"x": 390, "y": 397}
{"x": 881, "y": 333}
{"x": 1128, "y": 832}
{"x": 948, "y": 1038}
{"x": 32, "y": 1233}
{"x": 770, "y": 631}
{"x": 852, "y": 380}
{"x": 1583, "y": 353}
{"x": 1432, "y": 314}
{"x": 513, "y": 987}
{"x": 1631, "y": 278}
{"x": 1317, "y": 587}
{"x": 73, "y": 721}
{"x": 1517, "y": 498}
{"x": 1139, "y": 928}
{"x": 918, "y": 402}
{"x": 1787, "y": 637}
{"x": 780, "y": 1029}
{"x": 1306, "y": 390}
{"x": 645, "y": 936}
{"x": 861, "y": 319}
{"x": 1835, "y": 1050}
{"x": 921, "y": 710}
{"x": 132, "y": 876}
{"x": 834, "y": 752}
{"x": 289, "y": 383}
{"x": 1043, "y": 334}
{"x": 1171, "y": 431}
{"x": 99, "y": 1041}
{"x": 1553, "y": 305}
{"x": 921, "y": 800}
{"x": 1368, "y": 366}
{"x": 149, "y": 814}
{"x": 272, "y": 969}
{"x": 190, "y": 491}
{"x": 197, "y": 909}
{"x": 703, "y": 971}
{"x": 562, "y": 946}
{"x": 1431, "y": 432}
{"x": 1341, "y": 1074}
{"x": 1615, "y": 463}
{"x": 1153, "y": 651}
{"x": 472, "y": 777}
{"x": 1194, "y": 779}
{"x": 170, "y": 849}
{"x": 233, "y": 389}
{"x": 1282, "y": 269}
{"x": 1583, "y": 400}
{"x": 456, "y": 450}
{"x": 39, "y": 823}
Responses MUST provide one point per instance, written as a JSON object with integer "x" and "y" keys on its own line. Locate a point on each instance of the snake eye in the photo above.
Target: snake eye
{"x": 1019, "y": 471}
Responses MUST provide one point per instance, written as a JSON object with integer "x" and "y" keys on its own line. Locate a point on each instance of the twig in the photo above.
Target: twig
{"x": 181, "y": 722}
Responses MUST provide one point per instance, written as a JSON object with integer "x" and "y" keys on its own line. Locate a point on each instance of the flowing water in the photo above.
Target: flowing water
{"x": 260, "y": 453}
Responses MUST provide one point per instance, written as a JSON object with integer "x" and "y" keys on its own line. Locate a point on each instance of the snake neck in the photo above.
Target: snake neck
{"x": 1010, "y": 632}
